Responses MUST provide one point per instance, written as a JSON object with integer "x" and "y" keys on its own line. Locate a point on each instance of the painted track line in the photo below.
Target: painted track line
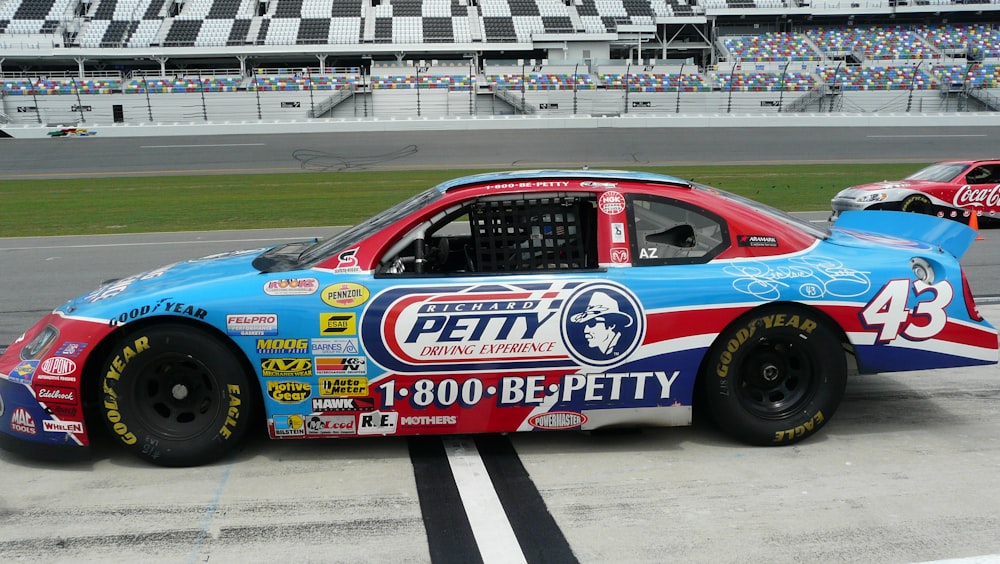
{"x": 490, "y": 526}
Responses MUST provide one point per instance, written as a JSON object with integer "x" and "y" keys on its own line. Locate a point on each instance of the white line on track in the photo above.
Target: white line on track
{"x": 929, "y": 136}
{"x": 205, "y": 145}
{"x": 494, "y": 535}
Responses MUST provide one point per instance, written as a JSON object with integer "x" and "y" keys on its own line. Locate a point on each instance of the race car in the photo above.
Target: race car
{"x": 515, "y": 301}
{"x": 956, "y": 190}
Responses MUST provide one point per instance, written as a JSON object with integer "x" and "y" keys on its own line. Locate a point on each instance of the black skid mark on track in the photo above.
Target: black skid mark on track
{"x": 326, "y": 162}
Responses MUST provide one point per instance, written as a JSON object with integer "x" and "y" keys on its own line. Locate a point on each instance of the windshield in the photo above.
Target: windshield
{"x": 939, "y": 172}
{"x": 820, "y": 232}
{"x": 354, "y": 235}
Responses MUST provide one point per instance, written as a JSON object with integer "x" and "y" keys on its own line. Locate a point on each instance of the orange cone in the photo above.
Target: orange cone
{"x": 974, "y": 223}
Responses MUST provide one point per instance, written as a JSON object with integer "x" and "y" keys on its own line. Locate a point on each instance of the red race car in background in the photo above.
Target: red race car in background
{"x": 951, "y": 189}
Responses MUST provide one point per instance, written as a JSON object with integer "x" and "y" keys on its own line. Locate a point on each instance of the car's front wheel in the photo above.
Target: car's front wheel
{"x": 776, "y": 376}
{"x": 917, "y": 203}
{"x": 175, "y": 395}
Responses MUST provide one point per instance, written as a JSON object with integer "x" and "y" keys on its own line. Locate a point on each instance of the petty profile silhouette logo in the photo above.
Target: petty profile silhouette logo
{"x": 602, "y": 325}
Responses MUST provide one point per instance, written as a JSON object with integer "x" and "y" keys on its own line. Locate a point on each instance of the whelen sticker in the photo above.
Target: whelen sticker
{"x": 502, "y": 327}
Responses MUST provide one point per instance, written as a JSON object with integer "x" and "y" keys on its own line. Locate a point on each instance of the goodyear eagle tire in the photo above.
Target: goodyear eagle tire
{"x": 775, "y": 377}
{"x": 917, "y": 203}
{"x": 175, "y": 395}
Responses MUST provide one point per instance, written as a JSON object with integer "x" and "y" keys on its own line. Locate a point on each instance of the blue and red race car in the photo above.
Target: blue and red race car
{"x": 517, "y": 301}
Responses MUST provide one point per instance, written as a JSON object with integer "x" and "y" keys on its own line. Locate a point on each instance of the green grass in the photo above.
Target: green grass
{"x": 211, "y": 202}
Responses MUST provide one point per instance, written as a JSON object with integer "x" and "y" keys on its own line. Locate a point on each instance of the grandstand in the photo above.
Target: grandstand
{"x": 73, "y": 62}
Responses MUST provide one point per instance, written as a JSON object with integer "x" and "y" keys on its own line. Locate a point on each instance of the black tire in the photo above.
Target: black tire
{"x": 775, "y": 377}
{"x": 175, "y": 395}
{"x": 917, "y": 203}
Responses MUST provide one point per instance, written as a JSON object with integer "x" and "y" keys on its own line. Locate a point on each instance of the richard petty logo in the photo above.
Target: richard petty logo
{"x": 502, "y": 327}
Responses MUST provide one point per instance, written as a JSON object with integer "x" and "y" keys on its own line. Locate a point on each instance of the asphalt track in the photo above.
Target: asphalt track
{"x": 596, "y": 147}
{"x": 907, "y": 471}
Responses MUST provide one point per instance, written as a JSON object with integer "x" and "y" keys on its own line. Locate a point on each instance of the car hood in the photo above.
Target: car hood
{"x": 890, "y": 185}
{"x": 168, "y": 279}
{"x": 902, "y": 230}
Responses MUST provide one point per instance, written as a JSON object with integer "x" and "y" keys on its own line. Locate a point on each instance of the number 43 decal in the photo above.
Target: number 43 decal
{"x": 888, "y": 310}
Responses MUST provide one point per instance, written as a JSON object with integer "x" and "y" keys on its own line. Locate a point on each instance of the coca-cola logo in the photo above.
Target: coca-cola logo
{"x": 977, "y": 197}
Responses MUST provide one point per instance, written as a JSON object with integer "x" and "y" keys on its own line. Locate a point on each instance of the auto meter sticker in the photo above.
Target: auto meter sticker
{"x": 501, "y": 327}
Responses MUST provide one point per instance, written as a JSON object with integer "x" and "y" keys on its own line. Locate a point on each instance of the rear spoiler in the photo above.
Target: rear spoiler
{"x": 950, "y": 236}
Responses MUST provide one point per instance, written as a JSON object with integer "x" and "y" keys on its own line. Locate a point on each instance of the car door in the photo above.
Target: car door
{"x": 465, "y": 329}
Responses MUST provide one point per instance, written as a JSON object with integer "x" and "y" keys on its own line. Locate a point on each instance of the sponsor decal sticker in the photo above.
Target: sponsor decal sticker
{"x": 619, "y": 256}
{"x": 557, "y": 420}
{"x": 617, "y": 232}
{"x": 252, "y": 324}
{"x": 602, "y": 323}
{"x": 331, "y": 324}
{"x": 967, "y": 196}
{"x": 345, "y": 295}
{"x": 22, "y": 422}
{"x": 23, "y": 371}
{"x": 498, "y": 327}
{"x": 62, "y": 410}
{"x": 347, "y": 261}
{"x": 326, "y": 405}
{"x": 326, "y": 365}
{"x": 75, "y": 427}
{"x": 428, "y": 420}
{"x": 58, "y": 366}
{"x": 55, "y": 394}
{"x": 286, "y": 367}
{"x": 335, "y": 346}
{"x": 611, "y": 203}
{"x": 291, "y": 287}
{"x": 70, "y": 349}
{"x": 756, "y": 241}
{"x": 289, "y": 392}
{"x": 347, "y": 387}
{"x": 282, "y": 346}
{"x": 378, "y": 423}
{"x": 288, "y": 426}
{"x": 331, "y": 425}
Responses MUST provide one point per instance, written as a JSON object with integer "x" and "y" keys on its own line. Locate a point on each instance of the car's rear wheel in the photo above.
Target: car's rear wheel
{"x": 776, "y": 376}
{"x": 175, "y": 395}
{"x": 917, "y": 203}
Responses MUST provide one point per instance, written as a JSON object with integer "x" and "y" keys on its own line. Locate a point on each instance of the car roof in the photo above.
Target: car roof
{"x": 583, "y": 174}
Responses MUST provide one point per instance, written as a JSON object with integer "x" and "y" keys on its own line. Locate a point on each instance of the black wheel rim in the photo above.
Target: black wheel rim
{"x": 177, "y": 397}
{"x": 917, "y": 205}
{"x": 777, "y": 378}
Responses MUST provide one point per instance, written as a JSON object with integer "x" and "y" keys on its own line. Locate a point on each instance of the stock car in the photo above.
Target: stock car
{"x": 516, "y": 301}
{"x": 958, "y": 190}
